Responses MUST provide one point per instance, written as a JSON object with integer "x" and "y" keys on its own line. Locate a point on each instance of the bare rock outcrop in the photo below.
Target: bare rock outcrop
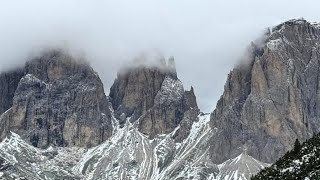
{"x": 9, "y": 82}
{"x": 273, "y": 97}
{"x": 155, "y": 97}
{"x": 58, "y": 101}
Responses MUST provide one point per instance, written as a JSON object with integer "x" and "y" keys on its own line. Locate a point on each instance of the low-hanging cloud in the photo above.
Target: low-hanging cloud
{"x": 206, "y": 37}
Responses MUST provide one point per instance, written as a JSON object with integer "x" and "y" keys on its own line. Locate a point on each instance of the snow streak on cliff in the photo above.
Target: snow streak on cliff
{"x": 128, "y": 154}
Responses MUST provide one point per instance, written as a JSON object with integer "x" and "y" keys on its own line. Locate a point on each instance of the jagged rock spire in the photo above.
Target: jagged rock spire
{"x": 172, "y": 67}
{"x": 171, "y": 63}
{"x": 155, "y": 97}
{"x": 162, "y": 61}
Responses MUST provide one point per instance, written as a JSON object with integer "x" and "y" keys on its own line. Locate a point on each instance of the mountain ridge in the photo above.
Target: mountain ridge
{"x": 152, "y": 127}
{"x": 272, "y": 99}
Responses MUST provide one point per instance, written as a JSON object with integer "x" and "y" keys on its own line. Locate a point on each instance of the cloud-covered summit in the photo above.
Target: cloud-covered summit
{"x": 205, "y": 37}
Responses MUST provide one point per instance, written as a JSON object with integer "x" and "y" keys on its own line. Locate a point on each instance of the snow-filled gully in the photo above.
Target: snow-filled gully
{"x": 129, "y": 154}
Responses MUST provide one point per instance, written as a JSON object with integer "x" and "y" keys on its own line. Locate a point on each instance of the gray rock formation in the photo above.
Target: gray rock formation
{"x": 9, "y": 83}
{"x": 156, "y": 98}
{"x": 271, "y": 98}
{"x": 59, "y": 101}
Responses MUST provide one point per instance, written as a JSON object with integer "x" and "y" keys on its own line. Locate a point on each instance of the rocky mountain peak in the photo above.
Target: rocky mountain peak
{"x": 272, "y": 99}
{"x": 57, "y": 64}
{"x": 162, "y": 62}
{"x": 58, "y": 100}
{"x": 171, "y": 64}
{"x": 171, "y": 67}
{"x": 290, "y": 23}
{"x": 154, "y": 96}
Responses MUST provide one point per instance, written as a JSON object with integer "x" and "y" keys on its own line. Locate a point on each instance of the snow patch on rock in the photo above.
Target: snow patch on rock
{"x": 274, "y": 44}
{"x": 241, "y": 167}
{"x": 171, "y": 91}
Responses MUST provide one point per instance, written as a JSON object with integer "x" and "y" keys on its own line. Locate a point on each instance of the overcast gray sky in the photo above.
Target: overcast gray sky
{"x": 206, "y": 37}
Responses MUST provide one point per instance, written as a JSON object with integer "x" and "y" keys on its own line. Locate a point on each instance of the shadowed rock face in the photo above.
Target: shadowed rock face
{"x": 155, "y": 97}
{"x": 134, "y": 91}
{"x": 9, "y": 82}
{"x": 57, "y": 100}
{"x": 273, "y": 98}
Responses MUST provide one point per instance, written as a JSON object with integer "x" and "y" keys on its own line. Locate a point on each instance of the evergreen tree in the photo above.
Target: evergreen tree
{"x": 302, "y": 162}
{"x": 297, "y": 147}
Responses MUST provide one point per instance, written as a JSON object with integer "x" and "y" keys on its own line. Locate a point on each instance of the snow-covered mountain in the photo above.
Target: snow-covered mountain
{"x": 57, "y": 123}
{"x": 61, "y": 125}
{"x": 128, "y": 154}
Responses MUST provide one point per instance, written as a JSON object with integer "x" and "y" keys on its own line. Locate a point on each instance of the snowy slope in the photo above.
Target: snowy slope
{"x": 128, "y": 154}
{"x": 23, "y": 160}
{"x": 241, "y": 168}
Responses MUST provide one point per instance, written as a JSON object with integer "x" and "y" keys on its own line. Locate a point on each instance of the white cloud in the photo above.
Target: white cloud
{"x": 206, "y": 37}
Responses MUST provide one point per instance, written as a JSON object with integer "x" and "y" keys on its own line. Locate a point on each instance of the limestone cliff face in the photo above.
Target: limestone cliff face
{"x": 154, "y": 97}
{"x": 58, "y": 101}
{"x": 273, "y": 98}
{"x": 9, "y": 83}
